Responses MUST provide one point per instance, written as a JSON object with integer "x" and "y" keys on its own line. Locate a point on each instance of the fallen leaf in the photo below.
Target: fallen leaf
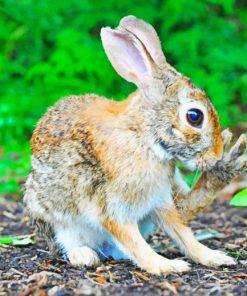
{"x": 54, "y": 290}
{"x": 27, "y": 292}
{"x": 23, "y": 242}
{"x": 137, "y": 285}
{"x": 41, "y": 278}
{"x": 240, "y": 275}
{"x": 176, "y": 285}
{"x": 169, "y": 287}
{"x": 41, "y": 292}
{"x": 9, "y": 215}
{"x": 100, "y": 269}
{"x": 101, "y": 280}
{"x": 141, "y": 276}
{"x": 17, "y": 240}
{"x": 243, "y": 262}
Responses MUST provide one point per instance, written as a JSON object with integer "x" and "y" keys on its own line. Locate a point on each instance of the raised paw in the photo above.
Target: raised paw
{"x": 238, "y": 148}
{"x": 233, "y": 162}
{"x": 83, "y": 256}
{"x": 227, "y": 137}
{"x": 161, "y": 265}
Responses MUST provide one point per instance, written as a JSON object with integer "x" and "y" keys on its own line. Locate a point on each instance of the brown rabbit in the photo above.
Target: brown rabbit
{"x": 103, "y": 172}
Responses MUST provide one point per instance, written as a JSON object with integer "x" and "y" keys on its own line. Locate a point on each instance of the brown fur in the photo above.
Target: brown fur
{"x": 100, "y": 167}
{"x": 134, "y": 244}
{"x": 173, "y": 224}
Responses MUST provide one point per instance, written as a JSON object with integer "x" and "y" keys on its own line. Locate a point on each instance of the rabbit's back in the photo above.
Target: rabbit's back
{"x": 60, "y": 121}
{"x": 63, "y": 166}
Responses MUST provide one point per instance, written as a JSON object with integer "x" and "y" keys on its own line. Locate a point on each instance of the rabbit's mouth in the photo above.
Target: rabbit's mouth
{"x": 178, "y": 152}
{"x": 193, "y": 159}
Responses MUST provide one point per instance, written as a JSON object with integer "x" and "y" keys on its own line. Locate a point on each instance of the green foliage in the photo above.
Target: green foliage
{"x": 14, "y": 166}
{"x": 240, "y": 199}
{"x": 17, "y": 240}
{"x": 237, "y": 254}
{"x": 50, "y": 49}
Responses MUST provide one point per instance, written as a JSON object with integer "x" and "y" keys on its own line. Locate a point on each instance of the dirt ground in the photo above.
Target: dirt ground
{"x": 31, "y": 270}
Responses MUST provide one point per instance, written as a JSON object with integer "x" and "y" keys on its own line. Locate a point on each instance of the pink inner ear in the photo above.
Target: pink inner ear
{"x": 127, "y": 55}
{"x": 132, "y": 54}
{"x": 147, "y": 35}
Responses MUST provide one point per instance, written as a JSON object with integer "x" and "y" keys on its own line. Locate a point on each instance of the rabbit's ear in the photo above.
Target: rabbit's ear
{"x": 128, "y": 55}
{"x": 147, "y": 35}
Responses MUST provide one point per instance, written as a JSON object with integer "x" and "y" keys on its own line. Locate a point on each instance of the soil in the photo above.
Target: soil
{"x": 32, "y": 270}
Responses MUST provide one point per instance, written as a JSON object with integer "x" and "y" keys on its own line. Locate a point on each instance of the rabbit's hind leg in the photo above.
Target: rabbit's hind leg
{"x": 84, "y": 244}
{"x": 83, "y": 256}
{"x": 77, "y": 245}
{"x": 110, "y": 249}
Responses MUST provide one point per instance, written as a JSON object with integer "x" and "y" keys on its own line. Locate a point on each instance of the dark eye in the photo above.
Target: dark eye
{"x": 194, "y": 117}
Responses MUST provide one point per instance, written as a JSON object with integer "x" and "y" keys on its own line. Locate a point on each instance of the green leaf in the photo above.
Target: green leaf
{"x": 240, "y": 199}
{"x": 17, "y": 241}
{"x": 23, "y": 242}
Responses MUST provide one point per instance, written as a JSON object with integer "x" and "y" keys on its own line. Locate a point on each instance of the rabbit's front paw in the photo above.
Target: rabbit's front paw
{"x": 161, "y": 265}
{"x": 233, "y": 162}
{"x": 83, "y": 256}
{"x": 214, "y": 258}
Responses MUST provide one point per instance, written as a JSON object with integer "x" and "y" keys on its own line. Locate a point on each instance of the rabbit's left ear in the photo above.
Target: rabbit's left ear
{"x": 147, "y": 35}
{"x": 128, "y": 55}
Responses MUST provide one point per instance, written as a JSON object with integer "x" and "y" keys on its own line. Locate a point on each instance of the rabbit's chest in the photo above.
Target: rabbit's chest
{"x": 141, "y": 194}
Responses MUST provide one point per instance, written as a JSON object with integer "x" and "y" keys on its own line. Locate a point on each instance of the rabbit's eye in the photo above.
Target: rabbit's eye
{"x": 194, "y": 117}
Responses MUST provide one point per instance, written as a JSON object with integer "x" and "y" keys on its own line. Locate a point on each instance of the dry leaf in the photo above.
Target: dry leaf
{"x": 241, "y": 275}
{"x": 100, "y": 269}
{"x": 176, "y": 285}
{"x": 101, "y": 280}
{"x": 27, "y": 292}
{"x": 141, "y": 276}
{"x": 41, "y": 292}
{"x": 171, "y": 287}
{"x": 137, "y": 285}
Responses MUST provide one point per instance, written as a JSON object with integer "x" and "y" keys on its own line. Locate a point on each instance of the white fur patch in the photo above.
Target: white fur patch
{"x": 83, "y": 256}
{"x": 212, "y": 258}
{"x": 122, "y": 210}
{"x": 160, "y": 152}
{"x": 191, "y": 164}
{"x": 216, "y": 258}
{"x": 80, "y": 231}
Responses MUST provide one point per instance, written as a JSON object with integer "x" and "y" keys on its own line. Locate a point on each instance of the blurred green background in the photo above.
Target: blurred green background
{"x": 50, "y": 49}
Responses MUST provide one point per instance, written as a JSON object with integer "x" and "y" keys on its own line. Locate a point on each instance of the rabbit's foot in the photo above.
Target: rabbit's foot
{"x": 160, "y": 265}
{"x": 83, "y": 256}
{"x": 213, "y": 258}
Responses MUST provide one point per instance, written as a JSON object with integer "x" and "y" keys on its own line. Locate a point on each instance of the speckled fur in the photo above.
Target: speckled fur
{"x": 100, "y": 168}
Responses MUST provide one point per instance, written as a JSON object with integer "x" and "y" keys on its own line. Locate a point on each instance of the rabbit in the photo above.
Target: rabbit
{"x": 103, "y": 173}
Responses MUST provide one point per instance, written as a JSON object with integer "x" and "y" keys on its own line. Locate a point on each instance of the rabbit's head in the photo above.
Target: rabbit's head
{"x": 181, "y": 121}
